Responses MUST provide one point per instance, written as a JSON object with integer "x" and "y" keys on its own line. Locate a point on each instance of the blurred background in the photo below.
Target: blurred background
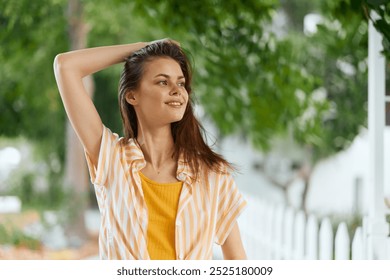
{"x": 281, "y": 86}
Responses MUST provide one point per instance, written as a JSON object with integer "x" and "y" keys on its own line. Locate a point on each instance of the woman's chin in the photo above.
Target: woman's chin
{"x": 176, "y": 118}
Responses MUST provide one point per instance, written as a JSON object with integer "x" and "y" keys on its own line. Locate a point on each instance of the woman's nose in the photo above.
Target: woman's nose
{"x": 175, "y": 91}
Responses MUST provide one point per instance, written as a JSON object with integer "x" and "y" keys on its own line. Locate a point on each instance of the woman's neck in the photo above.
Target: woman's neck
{"x": 157, "y": 146}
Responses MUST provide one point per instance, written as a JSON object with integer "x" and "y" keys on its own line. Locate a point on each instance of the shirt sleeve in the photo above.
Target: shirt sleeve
{"x": 108, "y": 147}
{"x": 231, "y": 205}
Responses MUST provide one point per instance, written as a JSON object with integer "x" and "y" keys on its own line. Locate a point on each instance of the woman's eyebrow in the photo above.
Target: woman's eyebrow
{"x": 167, "y": 76}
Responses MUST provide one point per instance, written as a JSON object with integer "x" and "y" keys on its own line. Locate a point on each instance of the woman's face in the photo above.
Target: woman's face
{"x": 161, "y": 98}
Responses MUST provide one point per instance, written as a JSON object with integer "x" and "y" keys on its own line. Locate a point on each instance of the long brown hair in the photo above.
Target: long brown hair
{"x": 188, "y": 132}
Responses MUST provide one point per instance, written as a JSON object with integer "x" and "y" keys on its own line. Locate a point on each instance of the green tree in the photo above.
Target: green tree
{"x": 29, "y": 104}
{"x": 336, "y": 54}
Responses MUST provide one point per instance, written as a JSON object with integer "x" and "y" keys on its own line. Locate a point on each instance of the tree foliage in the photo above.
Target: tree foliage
{"x": 382, "y": 22}
{"x": 29, "y": 104}
{"x": 336, "y": 54}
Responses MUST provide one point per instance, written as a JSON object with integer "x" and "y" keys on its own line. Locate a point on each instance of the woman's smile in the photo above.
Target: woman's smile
{"x": 175, "y": 104}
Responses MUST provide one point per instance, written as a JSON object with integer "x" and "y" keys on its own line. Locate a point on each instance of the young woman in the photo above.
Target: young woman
{"x": 162, "y": 192}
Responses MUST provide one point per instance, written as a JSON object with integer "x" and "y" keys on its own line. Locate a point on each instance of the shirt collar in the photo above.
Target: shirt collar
{"x": 136, "y": 155}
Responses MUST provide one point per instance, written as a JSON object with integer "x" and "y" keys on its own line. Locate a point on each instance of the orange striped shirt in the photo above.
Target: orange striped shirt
{"x": 207, "y": 210}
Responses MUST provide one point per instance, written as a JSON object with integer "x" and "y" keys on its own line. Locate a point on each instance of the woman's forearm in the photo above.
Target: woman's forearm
{"x": 88, "y": 61}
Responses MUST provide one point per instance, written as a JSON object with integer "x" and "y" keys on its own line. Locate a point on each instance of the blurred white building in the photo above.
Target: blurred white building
{"x": 339, "y": 184}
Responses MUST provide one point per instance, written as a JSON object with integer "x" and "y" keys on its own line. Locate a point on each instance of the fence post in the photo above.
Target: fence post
{"x": 357, "y": 245}
{"x": 268, "y": 230}
{"x": 257, "y": 233}
{"x": 278, "y": 233}
{"x": 326, "y": 240}
{"x": 342, "y": 244}
{"x": 299, "y": 236}
{"x": 288, "y": 234}
{"x": 262, "y": 235}
{"x": 377, "y": 227}
{"x": 312, "y": 238}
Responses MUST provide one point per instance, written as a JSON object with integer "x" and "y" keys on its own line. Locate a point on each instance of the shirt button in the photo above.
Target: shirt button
{"x": 180, "y": 256}
{"x": 182, "y": 176}
{"x": 178, "y": 223}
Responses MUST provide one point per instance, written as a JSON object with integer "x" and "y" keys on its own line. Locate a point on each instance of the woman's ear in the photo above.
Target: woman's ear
{"x": 130, "y": 98}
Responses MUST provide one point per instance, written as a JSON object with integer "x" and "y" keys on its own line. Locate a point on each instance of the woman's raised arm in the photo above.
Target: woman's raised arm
{"x": 70, "y": 68}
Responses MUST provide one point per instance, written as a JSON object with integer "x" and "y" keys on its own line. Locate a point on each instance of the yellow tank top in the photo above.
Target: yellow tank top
{"x": 162, "y": 201}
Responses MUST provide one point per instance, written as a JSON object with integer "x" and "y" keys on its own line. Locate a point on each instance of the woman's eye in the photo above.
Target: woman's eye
{"x": 181, "y": 84}
{"x": 163, "y": 83}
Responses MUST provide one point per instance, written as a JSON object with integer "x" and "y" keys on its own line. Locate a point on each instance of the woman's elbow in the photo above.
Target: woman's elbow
{"x": 58, "y": 63}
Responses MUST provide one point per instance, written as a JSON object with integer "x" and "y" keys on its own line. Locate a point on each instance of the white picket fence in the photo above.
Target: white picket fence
{"x": 272, "y": 231}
